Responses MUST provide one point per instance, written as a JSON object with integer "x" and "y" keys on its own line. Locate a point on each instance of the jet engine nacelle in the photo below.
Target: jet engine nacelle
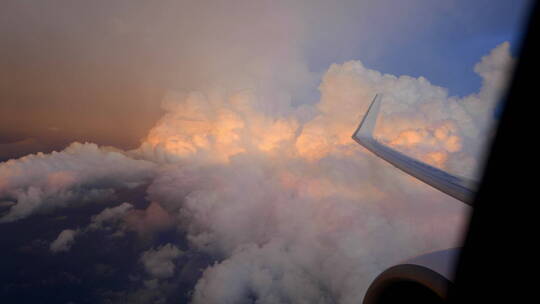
{"x": 424, "y": 279}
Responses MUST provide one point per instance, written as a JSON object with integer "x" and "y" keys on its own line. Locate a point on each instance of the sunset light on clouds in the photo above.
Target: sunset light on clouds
{"x": 246, "y": 184}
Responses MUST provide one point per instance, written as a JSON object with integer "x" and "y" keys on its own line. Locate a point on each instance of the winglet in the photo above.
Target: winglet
{"x": 367, "y": 126}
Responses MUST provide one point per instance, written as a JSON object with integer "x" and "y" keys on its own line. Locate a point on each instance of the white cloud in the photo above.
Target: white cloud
{"x": 120, "y": 219}
{"x": 292, "y": 207}
{"x": 110, "y": 215}
{"x": 297, "y": 209}
{"x": 417, "y": 117}
{"x": 148, "y": 221}
{"x": 78, "y": 174}
{"x": 159, "y": 262}
{"x": 64, "y": 241}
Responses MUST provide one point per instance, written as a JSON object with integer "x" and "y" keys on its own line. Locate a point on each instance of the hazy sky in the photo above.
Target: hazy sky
{"x": 98, "y": 70}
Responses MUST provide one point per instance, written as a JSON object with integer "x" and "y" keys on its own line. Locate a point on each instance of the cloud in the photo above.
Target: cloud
{"x": 64, "y": 241}
{"x": 247, "y": 162}
{"x": 78, "y": 174}
{"x": 289, "y": 206}
{"x": 292, "y": 206}
{"x": 213, "y": 127}
{"x": 267, "y": 273}
{"x": 159, "y": 262}
{"x": 417, "y": 117}
{"x": 124, "y": 218}
{"x": 308, "y": 224}
{"x": 110, "y": 215}
{"x": 148, "y": 221}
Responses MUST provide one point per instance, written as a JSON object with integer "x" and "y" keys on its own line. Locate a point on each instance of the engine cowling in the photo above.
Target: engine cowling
{"x": 423, "y": 279}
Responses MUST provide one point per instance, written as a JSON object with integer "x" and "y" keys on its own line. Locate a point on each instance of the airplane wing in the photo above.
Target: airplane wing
{"x": 458, "y": 187}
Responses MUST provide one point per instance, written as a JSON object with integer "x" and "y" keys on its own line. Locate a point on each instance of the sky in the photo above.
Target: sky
{"x": 188, "y": 151}
{"x": 89, "y": 71}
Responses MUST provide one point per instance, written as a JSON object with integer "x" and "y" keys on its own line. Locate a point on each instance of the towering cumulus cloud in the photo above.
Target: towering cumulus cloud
{"x": 292, "y": 209}
{"x": 295, "y": 210}
{"x": 246, "y": 185}
{"x": 289, "y": 206}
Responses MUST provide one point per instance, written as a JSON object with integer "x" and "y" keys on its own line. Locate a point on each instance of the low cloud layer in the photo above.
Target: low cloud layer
{"x": 294, "y": 207}
{"x": 109, "y": 216}
{"x": 159, "y": 262}
{"x": 64, "y": 241}
{"x": 289, "y": 206}
{"x": 118, "y": 220}
{"x": 79, "y": 174}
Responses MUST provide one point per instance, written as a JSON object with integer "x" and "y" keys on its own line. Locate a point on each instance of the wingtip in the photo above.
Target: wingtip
{"x": 367, "y": 125}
